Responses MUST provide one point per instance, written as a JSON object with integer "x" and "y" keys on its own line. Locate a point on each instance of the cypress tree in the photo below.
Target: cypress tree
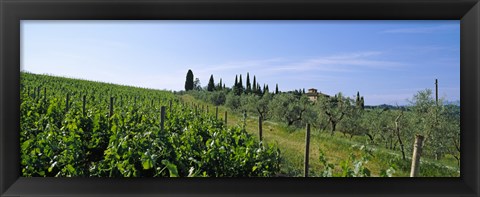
{"x": 362, "y": 103}
{"x": 254, "y": 89}
{"x": 235, "y": 86}
{"x": 236, "y": 81}
{"x": 276, "y": 89}
{"x": 240, "y": 85}
{"x": 211, "y": 84}
{"x": 259, "y": 89}
{"x": 189, "y": 81}
{"x": 220, "y": 85}
{"x": 249, "y": 86}
{"x": 358, "y": 102}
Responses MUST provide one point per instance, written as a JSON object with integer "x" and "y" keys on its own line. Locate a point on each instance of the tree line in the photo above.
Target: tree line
{"x": 238, "y": 88}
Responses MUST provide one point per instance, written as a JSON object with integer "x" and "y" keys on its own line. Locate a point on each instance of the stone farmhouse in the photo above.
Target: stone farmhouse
{"x": 313, "y": 94}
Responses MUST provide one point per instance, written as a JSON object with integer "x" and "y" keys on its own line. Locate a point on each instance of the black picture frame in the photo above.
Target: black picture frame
{"x": 12, "y": 11}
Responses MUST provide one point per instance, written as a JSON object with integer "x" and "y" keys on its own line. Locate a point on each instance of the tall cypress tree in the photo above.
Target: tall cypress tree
{"x": 276, "y": 89}
{"x": 235, "y": 86}
{"x": 362, "y": 103}
{"x": 211, "y": 84}
{"x": 358, "y": 102}
{"x": 254, "y": 89}
{"x": 249, "y": 86}
{"x": 189, "y": 81}
{"x": 259, "y": 89}
{"x": 220, "y": 85}
{"x": 240, "y": 85}
{"x": 236, "y": 81}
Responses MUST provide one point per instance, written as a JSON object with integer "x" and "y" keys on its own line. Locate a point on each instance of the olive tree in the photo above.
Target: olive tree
{"x": 335, "y": 108}
{"x": 352, "y": 122}
{"x": 257, "y": 104}
{"x": 434, "y": 122}
{"x": 289, "y": 108}
{"x": 452, "y": 118}
{"x": 232, "y": 101}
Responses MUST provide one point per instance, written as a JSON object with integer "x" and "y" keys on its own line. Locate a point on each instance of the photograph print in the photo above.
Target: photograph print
{"x": 244, "y": 98}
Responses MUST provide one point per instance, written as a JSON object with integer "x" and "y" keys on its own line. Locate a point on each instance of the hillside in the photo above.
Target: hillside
{"x": 118, "y": 130}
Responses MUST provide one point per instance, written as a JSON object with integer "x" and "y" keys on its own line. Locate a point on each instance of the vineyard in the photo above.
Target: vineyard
{"x": 78, "y": 128}
{"x": 72, "y": 128}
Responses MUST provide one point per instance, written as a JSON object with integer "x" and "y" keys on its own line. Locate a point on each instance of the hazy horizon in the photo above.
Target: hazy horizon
{"x": 386, "y": 61}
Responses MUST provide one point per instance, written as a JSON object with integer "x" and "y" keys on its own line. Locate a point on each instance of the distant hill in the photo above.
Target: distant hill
{"x": 457, "y": 102}
{"x": 383, "y": 106}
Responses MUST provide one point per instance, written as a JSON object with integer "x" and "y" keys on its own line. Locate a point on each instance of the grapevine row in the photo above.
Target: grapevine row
{"x": 84, "y": 128}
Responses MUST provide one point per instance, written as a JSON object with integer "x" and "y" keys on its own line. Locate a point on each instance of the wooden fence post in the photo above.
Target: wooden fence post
{"x": 417, "y": 152}
{"x": 225, "y": 117}
{"x": 162, "y": 118}
{"x": 260, "y": 127}
{"x": 307, "y": 150}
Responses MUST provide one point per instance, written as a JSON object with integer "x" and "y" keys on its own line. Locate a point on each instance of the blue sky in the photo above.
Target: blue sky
{"x": 386, "y": 61}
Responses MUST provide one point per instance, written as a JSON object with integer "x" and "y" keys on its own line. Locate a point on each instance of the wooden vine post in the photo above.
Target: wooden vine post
{"x": 225, "y": 117}
{"x": 307, "y": 148}
{"x": 66, "y": 102}
{"x": 38, "y": 90}
{"x": 436, "y": 92}
{"x": 417, "y": 152}
{"x": 111, "y": 106}
{"x": 162, "y": 119}
{"x": 44, "y": 94}
{"x": 84, "y": 103}
{"x": 216, "y": 113}
{"x": 170, "y": 106}
{"x": 260, "y": 127}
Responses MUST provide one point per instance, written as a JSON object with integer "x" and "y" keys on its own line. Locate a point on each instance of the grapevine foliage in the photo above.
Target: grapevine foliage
{"x": 68, "y": 140}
